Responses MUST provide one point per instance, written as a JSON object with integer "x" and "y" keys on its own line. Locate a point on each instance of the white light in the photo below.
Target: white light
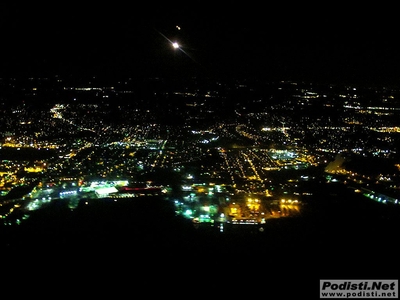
{"x": 175, "y": 45}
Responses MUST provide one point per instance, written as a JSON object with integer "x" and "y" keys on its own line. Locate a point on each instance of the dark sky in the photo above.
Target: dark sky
{"x": 280, "y": 42}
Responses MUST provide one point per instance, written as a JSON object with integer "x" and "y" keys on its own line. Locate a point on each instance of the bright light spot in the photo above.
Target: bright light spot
{"x": 206, "y": 208}
{"x": 175, "y": 45}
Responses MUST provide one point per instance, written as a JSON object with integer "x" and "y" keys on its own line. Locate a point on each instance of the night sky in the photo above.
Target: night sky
{"x": 332, "y": 43}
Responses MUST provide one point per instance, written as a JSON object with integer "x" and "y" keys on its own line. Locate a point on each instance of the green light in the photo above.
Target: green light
{"x": 188, "y": 212}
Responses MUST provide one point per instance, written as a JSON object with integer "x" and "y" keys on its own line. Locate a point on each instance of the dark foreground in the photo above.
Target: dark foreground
{"x": 141, "y": 244}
